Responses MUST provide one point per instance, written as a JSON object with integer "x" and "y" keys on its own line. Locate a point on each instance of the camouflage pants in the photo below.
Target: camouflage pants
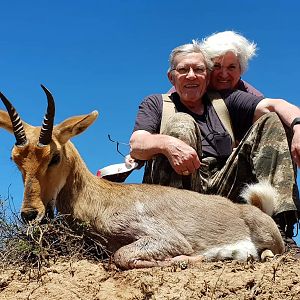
{"x": 263, "y": 153}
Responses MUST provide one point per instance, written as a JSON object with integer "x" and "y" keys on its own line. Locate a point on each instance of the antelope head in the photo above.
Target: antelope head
{"x": 41, "y": 154}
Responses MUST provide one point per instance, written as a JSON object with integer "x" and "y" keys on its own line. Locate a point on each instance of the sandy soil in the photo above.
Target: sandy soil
{"x": 275, "y": 279}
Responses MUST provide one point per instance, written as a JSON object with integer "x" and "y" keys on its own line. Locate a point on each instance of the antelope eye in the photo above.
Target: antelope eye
{"x": 55, "y": 159}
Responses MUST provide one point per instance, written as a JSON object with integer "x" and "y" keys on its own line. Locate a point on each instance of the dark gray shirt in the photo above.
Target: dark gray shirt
{"x": 216, "y": 141}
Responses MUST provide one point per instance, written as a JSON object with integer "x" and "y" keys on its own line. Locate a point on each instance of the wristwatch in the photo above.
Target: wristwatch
{"x": 295, "y": 121}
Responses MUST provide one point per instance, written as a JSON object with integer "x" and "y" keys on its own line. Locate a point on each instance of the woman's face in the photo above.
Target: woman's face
{"x": 226, "y": 72}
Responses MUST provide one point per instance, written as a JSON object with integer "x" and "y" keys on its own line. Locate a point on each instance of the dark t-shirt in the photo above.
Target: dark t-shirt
{"x": 247, "y": 87}
{"x": 216, "y": 141}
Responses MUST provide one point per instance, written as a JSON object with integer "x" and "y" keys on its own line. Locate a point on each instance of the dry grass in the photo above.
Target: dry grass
{"x": 32, "y": 246}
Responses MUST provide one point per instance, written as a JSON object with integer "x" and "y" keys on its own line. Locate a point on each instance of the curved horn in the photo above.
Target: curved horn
{"x": 47, "y": 127}
{"x": 16, "y": 122}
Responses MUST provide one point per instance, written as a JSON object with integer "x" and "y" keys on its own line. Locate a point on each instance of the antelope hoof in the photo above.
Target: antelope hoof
{"x": 266, "y": 254}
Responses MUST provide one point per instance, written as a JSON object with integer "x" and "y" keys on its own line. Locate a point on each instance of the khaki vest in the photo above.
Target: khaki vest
{"x": 217, "y": 102}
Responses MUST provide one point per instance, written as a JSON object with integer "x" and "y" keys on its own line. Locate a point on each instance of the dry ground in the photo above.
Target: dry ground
{"x": 83, "y": 279}
{"x": 51, "y": 261}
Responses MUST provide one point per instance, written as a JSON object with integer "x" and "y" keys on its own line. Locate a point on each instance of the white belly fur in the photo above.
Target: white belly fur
{"x": 240, "y": 250}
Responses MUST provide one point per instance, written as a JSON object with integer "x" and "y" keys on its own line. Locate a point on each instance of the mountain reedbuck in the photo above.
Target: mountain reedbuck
{"x": 144, "y": 225}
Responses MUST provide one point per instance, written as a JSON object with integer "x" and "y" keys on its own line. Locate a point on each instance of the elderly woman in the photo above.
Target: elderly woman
{"x": 230, "y": 53}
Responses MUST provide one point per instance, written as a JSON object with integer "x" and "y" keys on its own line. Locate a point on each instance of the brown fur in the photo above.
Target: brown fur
{"x": 145, "y": 225}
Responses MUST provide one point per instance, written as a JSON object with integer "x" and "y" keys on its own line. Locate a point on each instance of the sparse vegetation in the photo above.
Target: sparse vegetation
{"x": 32, "y": 246}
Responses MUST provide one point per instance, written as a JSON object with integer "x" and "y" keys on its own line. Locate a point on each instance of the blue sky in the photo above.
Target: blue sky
{"x": 108, "y": 55}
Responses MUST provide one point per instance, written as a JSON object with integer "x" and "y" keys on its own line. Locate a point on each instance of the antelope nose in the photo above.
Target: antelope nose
{"x": 29, "y": 215}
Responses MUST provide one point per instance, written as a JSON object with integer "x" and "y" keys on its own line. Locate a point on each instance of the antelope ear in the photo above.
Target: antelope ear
{"x": 74, "y": 126}
{"x": 5, "y": 121}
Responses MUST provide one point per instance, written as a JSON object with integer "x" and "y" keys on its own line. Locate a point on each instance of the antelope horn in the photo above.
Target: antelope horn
{"x": 47, "y": 127}
{"x": 16, "y": 122}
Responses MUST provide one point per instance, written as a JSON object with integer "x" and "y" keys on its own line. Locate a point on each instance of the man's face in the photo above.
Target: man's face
{"x": 226, "y": 72}
{"x": 190, "y": 77}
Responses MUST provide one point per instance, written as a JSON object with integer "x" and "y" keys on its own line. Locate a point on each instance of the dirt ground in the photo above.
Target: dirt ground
{"x": 275, "y": 279}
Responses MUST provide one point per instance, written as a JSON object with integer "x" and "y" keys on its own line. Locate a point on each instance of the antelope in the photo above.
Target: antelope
{"x": 143, "y": 225}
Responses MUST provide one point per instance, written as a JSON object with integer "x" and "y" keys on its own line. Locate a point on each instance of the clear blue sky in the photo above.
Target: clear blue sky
{"x": 108, "y": 55}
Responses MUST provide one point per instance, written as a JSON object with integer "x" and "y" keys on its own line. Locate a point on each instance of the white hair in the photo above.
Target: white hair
{"x": 194, "y": 47}
{"x": 218, "y": 44}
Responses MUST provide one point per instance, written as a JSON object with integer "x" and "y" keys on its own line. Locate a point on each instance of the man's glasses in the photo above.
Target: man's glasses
{"x": 184, "y": 70}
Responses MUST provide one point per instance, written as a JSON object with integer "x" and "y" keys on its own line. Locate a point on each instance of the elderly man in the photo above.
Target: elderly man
{"x": 193, "y": 150}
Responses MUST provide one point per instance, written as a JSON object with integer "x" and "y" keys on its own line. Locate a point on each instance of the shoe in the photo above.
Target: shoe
{"x": 289, "y": 243}
{"x": 285, "y": 224}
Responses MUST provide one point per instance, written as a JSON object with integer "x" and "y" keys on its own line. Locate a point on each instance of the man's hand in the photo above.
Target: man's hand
{"x": 182, "y": 157}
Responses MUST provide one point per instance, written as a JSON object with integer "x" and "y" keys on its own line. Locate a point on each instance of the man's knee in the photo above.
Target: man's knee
{"x": 183, "y": 127}
{"x": 271, "y": 116}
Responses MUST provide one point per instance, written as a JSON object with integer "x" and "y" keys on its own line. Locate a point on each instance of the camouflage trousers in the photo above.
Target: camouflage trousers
{"x": 263, "y": 154}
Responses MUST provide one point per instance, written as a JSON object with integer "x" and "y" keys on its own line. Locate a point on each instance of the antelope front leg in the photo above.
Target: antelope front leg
{"x": 152, "y": 252}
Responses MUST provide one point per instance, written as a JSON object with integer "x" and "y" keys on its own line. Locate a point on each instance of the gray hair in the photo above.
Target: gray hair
{"x": 194, "y": 47}
{"x": 218, "y": 44}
